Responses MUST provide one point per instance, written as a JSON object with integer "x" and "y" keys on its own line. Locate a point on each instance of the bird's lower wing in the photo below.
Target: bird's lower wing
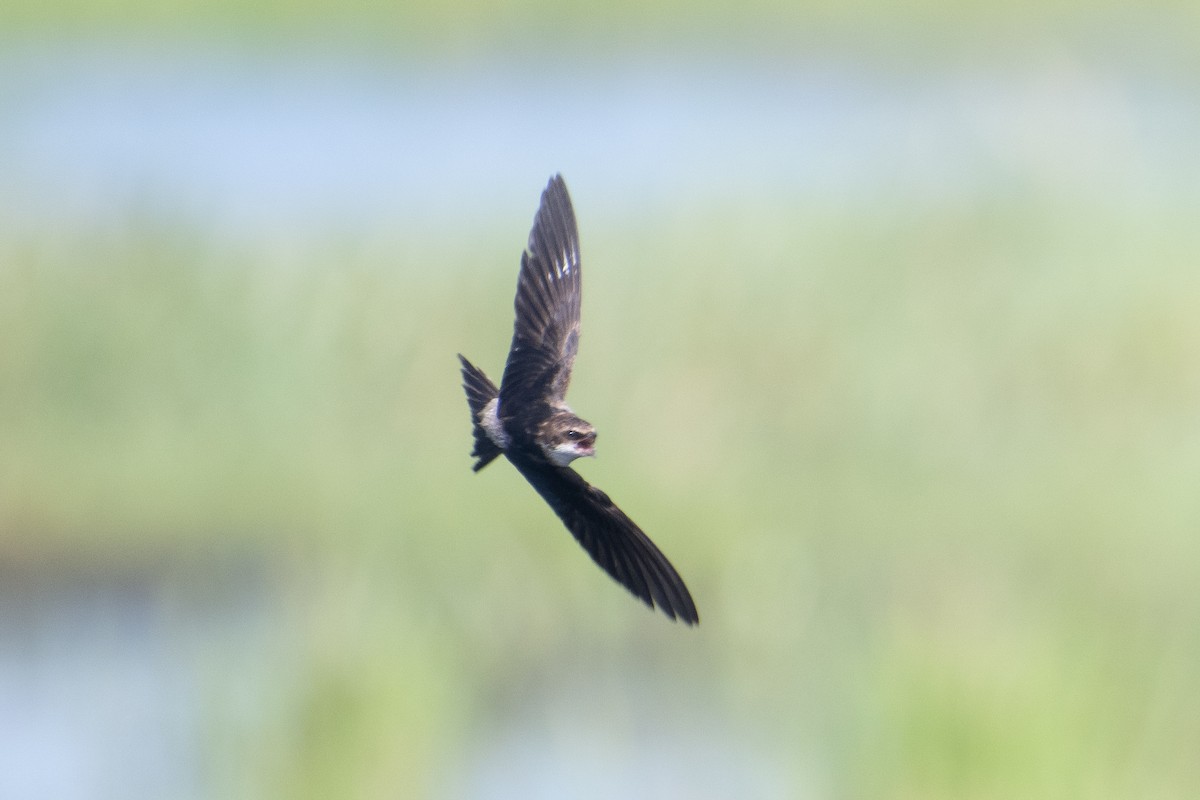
{"x": 612, "y": 539}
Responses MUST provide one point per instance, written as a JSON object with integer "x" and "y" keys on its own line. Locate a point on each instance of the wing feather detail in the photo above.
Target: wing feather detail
{"x": 612, "y": 539}
{"x": 546, "y": 331}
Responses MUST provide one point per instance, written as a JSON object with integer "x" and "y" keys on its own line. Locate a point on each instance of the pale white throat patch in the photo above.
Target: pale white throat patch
{"x": 583, "y": 445}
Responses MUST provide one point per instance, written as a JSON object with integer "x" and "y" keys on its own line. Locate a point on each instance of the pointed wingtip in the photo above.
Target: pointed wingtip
{"x": 685, "y": 612}
{"x": 678, "y": 604}
{"x": 556, "y": 192}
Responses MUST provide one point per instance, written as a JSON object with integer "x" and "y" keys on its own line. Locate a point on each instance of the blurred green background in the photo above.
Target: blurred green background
{"x": 890, "y": 332}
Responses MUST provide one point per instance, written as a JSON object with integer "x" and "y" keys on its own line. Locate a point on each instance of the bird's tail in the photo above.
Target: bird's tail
{"x": 480, "y": 391}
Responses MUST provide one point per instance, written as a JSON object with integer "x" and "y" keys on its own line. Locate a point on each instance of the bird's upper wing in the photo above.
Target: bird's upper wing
{"x": 546, "y": 331}
{"x": 612, "y": 539}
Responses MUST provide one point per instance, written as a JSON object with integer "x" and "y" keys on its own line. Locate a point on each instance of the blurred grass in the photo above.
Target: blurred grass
{"x": 929, "y": 471}
{"x": 904, "y": 30}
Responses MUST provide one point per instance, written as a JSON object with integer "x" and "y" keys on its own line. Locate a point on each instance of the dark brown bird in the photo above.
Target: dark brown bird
{"x": 528, "y": 421}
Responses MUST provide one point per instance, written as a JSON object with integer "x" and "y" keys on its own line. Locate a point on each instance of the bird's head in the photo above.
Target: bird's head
{"x": 567, "y": 437}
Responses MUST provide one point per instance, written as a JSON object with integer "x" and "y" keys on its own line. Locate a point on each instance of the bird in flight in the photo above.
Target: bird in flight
{"x": 528, "y": 421}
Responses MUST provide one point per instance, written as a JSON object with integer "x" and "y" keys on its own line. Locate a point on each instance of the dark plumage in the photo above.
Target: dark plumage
{"x": 527, "y": 418}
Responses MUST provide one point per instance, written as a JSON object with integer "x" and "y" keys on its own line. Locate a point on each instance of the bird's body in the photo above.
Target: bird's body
{"x": 528, "y": 421}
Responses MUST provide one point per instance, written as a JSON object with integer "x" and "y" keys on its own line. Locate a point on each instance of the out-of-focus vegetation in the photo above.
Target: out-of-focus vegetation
{"x": 911, "y": 30}
{"x": 930, "y": 473}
